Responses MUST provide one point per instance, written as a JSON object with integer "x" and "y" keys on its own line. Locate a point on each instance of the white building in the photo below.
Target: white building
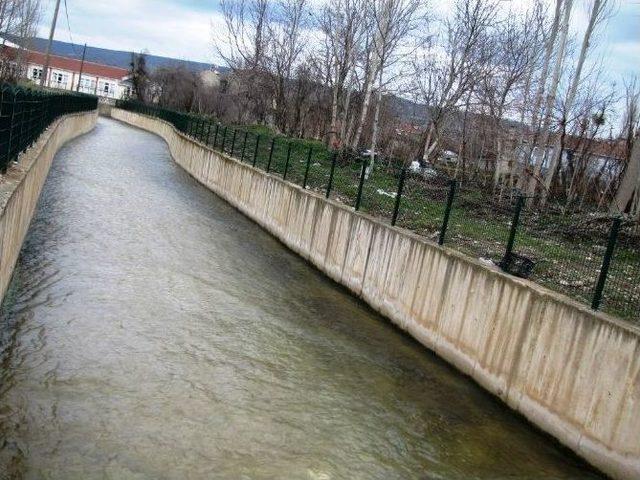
{"x": 211, "y": 77}
{"x": 64, "y": 73}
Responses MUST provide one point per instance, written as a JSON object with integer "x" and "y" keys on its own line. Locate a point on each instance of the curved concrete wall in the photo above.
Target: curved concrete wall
{"x": 20, "y": 187}
{"x": 572, "y": 372}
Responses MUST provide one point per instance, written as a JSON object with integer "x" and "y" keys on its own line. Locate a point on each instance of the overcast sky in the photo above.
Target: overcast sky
{"x": 186, "y": 29}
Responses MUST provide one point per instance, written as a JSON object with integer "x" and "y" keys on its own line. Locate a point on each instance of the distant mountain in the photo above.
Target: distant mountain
{"x": 115, "y": 58}
{"x": 409, "y": 111}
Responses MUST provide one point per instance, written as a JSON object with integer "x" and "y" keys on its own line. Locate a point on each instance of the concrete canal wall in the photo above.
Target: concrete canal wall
{"x": 20, "y": 187}
{"x": 572, "y": 372}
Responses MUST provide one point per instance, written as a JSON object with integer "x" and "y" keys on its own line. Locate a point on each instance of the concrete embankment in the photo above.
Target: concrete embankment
{"x": 20, "y": 187}
{"x": 572, "y": 372}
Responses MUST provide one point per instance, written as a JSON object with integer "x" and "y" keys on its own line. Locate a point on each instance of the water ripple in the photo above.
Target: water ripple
{"x": 151, "y": 331}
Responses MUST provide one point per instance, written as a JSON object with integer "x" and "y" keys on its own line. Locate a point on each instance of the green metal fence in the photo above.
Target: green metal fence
{"x": 26, "y": 113}
{"x": 594, "y": 259}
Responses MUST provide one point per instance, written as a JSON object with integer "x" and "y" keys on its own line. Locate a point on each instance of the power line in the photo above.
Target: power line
{"x": 73, "y": 46}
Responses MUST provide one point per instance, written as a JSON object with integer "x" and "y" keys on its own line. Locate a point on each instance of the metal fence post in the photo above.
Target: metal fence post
{"x": 200, "y": 131}
{"x": 255, "y": 153}
{"x": 215, "y": 138}
{"x": 606, "y": 263}
{"x": 233, "y": 142}
{"x": 208, "y": 132}
{"x": 334, "y": 157}
{"x": 185, "y": 124}
{"x": 244, "y": 145}
{"x": 306, "y": 170}
{"x": 224, "y": 139}
{"x": 273, "y": 142}
{"x": 504, "y": 263}
{"x": 361, "y": 185}
{"x": 11, "y": 125}
{"x": 396, "y": 207}
{"x": 286, "y": 163}
{"x": 20, "y": 122}
{"x": 447, "y": 211}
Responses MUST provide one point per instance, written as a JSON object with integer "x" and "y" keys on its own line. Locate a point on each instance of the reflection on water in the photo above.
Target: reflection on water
{"x": 154, "y": 332}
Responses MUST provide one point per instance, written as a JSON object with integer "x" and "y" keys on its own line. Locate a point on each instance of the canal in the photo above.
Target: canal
{"x": 153, "y": 332}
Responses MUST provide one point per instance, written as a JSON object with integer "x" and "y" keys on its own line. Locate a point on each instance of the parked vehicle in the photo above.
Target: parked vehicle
{"x": 422, "y": 168}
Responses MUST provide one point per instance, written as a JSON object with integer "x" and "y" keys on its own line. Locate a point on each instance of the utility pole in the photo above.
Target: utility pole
{"x": 84, "y": 51}
{"x": 45, "y": 70}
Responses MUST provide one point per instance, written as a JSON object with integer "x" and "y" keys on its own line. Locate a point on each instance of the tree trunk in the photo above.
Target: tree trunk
{"x": 345, "y": 116}
{"x": 333, "y": 125}
{"x": 542, "y": 82}
{"x": 551, "y": 97}
{"x": 429, "y": 147}
{"x": 369, "y": 80}
{"x": 497, "y": 172}
{"x": 630, "y": 184}
{"x": 515, "y": 172}
{"x": 376, "y": 126}
{"x": 557, "y": 149}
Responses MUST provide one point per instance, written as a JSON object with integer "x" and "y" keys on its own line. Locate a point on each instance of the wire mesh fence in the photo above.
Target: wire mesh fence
{"x": 379, "y": 187}
{"x": 592, "y": 258}
{"x": 618, "y": 288}
{"x": 26, "y": 113}
{"x": 562, "y": 254}
{"x": 346, "y": 178}
{"x": 423, "y": 202}
{"x": 479, "y": 224}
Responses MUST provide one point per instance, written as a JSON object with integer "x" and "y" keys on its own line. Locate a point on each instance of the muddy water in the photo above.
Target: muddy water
{"x": 153, "y": 332}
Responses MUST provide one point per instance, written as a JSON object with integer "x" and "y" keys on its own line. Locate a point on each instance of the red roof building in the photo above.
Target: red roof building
{"x": 65, "y": 73}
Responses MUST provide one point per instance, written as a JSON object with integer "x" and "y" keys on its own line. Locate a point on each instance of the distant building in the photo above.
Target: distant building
{"x": 64, "y": 73}
{"x": 210, "y": 77}
{"x": 600, "y": 156}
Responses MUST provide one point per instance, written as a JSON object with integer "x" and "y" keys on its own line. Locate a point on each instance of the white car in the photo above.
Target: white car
{"x": 427, "y": 171}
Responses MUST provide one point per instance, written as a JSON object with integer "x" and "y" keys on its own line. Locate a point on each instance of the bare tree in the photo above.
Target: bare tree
{"x": 550, "y": 43}
{"x": 334, "y": 71}
{"x": 542, "y": 136}
{"x": 342, "y": 25}
{"x": 394, "y": 21}
{"x": 284, "y": 48}
{"x": 600, "y": 12}
{"x": 540, "y": 47}
{"x": 176, "y": 88}
{"x": 515, "y": 54}
{"x": 246, "y": 28}
{"x": 581, "y": 176}
{"x": 627, "y": 198}
{"x": 444, "y": 73}
{"x": 18, "y": 18}
{"x": 244, "y": 47}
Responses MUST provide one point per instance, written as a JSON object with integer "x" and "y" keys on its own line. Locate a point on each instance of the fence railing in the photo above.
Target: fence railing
{"x": 592, "y": 258}
{"x": 26, "y": 113}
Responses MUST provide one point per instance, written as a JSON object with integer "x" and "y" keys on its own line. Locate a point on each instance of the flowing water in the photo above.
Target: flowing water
{"x": 153, "y": 332}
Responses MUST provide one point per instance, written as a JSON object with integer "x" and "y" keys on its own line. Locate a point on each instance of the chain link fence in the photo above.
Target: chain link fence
{"x": 593, "y": 258}
{"x": 26, "y": 113}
